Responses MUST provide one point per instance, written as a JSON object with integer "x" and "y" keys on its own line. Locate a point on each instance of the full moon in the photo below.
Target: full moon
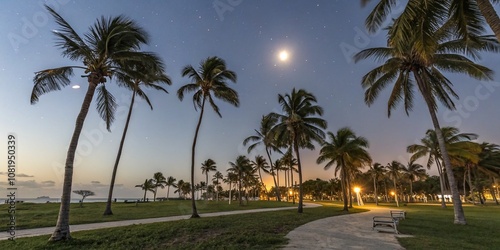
{"x": 283, "y": 55}
{"x": 75, "y": 86}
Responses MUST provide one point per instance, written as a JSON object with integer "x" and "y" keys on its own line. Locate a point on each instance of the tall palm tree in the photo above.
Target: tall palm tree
{"x": 259, "y": 164}
{"x": 208, "y": 166}
{"x": 413, "y": 172}
{"x": 345, "y": 149}
{"x": 109, "y": 44}
{"x": 300, "y": 123}
{"x": 209, "y": 82}
{"x": 217, "y": 176}
{"x": 264, "y": 136}
{"x": 394, "y": 170}
{"x": 136, "y": 76}
{"x": 241, "y": 167}
{"x": 376, "y": 171}
{"x": 159, "y": 181}
{"x": 170, "y": 182}
{"x": 148, "y": 185}
{"x": 419, "y": 58}
{"x": 467, "y": 16}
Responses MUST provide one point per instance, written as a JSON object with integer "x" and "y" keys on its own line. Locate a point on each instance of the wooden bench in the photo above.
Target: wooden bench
{"x": 398, "y": 214}
{"x": 385, "y": 223}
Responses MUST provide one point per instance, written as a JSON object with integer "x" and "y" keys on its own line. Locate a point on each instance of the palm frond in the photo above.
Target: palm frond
{"x": 106, "y": 105}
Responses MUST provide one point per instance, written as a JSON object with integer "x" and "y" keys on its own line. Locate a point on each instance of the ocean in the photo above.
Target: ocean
{"x": 58, "y": 200}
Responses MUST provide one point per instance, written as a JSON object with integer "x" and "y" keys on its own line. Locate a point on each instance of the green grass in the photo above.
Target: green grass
{"x": 32, "y": 215}
{"x": 433, "y": 228}
{"x": 264, "y": 230}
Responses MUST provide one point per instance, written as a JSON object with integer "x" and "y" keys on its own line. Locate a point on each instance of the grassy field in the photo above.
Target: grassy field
{"x": 32, "y": 215}
{"x": 433, "y": 228}
{"x": 245, "y": 231}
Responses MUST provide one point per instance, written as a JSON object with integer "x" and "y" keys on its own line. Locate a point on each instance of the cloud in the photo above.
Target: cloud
{"x": 95, "y": 182}
{"x": 35, "y": 184}
{"x": 18, "y": 175}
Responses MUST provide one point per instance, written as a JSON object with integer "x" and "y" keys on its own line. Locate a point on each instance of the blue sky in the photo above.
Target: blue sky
{"x": 320, "y": 36}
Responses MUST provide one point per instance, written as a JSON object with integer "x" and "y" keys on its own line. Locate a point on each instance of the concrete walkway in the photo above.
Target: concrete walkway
{"x": 82, "y": 227}
{"x": 353, "y": 231}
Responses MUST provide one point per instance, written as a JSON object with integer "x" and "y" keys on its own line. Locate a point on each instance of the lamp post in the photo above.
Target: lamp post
{"x": 358, "y": 196}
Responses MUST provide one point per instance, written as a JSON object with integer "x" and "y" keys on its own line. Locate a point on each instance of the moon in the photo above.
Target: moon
{"x": 283, "y": 55}
{"x": 75, "y": 86}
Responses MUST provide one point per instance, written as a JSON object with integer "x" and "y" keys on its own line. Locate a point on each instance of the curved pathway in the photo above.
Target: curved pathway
{"x": 352, "y": 231}
{"x": 82, "y": 227}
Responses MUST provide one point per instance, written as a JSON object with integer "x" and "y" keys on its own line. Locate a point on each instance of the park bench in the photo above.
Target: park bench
{"x": 386, "y": 224}
{"x": 398, "y": 214}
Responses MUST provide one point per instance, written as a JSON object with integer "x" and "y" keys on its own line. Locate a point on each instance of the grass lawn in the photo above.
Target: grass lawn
{"x": 264, "y": 230}
{"x": 433, "y": 228}
{"x": 32, "y": 215}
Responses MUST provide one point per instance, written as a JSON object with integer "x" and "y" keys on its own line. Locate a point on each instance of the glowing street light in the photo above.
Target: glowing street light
{"x": 358, "y": 196}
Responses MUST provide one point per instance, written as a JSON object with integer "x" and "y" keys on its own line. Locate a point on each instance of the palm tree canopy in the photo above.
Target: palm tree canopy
{"x": 208, "y": 166}
{"x": 344, "y": 147}
{"x": 148, "y": 185}
{"x": 159, "y": 179}
{"x": 264, "y": 135}
{"x": 109, "y": 44}
{"x": 414, "y": 171}
{"x": 260, "y": 163}
{"x": 209, "y": 81}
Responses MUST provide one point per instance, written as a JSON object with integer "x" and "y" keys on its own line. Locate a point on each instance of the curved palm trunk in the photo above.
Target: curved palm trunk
{"x": 296, "y": 148}
{"x": 193, "y": 151}
{"x": 375, "y": 189}
{"x": 459, "y": 215}
{"x": 344, "y": 190}
{"x": 168, "y": 191}
{"x": 230, "y": 189}
{"x": 206, "y": 186}
{"x": 108, "y": 211}
{"x": 62, "y": 231}
{"x": 490, "y": 16}
{"x": 274, "y": 177}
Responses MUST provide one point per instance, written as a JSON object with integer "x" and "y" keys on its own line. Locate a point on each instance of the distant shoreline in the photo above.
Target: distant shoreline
{"x": 58, "y": 200}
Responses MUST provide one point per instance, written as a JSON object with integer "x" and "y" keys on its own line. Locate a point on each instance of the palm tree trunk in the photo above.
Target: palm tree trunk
{"x": 108, "y": 211}
{"x": 441, "y": 181}
{"x": 293, "y": 188}
{"x": 296, "y": 148}
{"x": 145, "y": 191}
{"x": 168, "y": 191}
{"x": 490, "y": 16}
{"x": 193, "y": 151}
{"x": 206, "y": 186}
{"x": 272, "y": 173}
{"x": 239, "y": 190}
{"x": 343, "y": 183}
{"x": 375, "y": 189}
{"x": 62, "y": 231}
{"x": 396, "y": 192}
{"x": 230, "y": 196}
{"x": 465, "y": 182}
{"x": 471, "y": 188}
{"x": 349, "y": 189}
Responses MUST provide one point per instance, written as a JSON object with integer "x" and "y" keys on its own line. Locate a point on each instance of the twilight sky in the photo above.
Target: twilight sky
{"x": 320, "y": 37}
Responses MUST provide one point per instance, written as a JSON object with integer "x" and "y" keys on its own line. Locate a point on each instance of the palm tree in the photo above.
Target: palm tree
{"x": 180, "y": 185}
{"x": 217, "y": 176}
{"x": 259, "y": 164}
{"x": 413, "y": 172}
{"x": 109, "y": 44}
{"x": 206, "y": 167}
{"x": 241, "y": 167}
{"x": 209, "y": 81}
{"x": 137, "y": 75}
{"x": 418, "y": 59}
{"x": 159, "y": 181}
{"x": 299, "y": 125}
{"x": 394, "y": 170}
{"x": 376, "y": 171}
{"x": 264, "y": 136}
{"x": 466, "y": 15}
{"x": 289, "y": 162}
{"x": 456, "y": 143}
{"x": 346, "y": 150}
{"x": 170, "y": 182}
{"x": 148, "y": 185}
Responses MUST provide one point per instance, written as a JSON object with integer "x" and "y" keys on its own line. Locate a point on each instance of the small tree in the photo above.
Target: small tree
{"x": 84, "y": 194}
